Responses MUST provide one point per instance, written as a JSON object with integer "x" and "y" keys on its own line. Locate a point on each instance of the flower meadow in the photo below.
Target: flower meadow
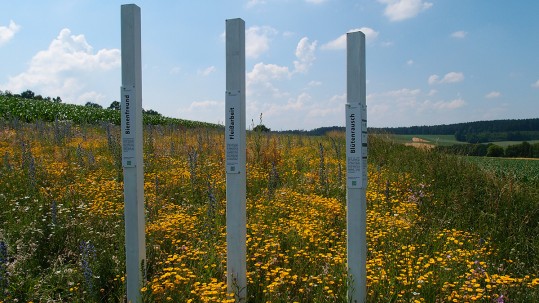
{"x": 438, "y": 228}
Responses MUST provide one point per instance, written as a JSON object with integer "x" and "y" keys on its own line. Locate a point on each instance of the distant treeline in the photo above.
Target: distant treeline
{"x": 476, "y": 132}
{"x": 522, "y": 150}
{"x": 314, "y": 132}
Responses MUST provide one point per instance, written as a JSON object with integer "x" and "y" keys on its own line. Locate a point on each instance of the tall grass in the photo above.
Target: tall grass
{"x": 439, "y": 229}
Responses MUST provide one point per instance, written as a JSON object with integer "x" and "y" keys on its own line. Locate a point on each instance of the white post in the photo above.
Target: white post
{"x": 131, "y": 127}
{"x": 235, "y": 150}
{"x": 356, "y": 167}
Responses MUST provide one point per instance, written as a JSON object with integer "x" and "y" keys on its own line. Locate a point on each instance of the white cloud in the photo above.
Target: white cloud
{"x": 536, "y": 84}
{"x": 8, "y": 32}
{"x": 493, "y": 94}
{"x": 340, "y": 42}
{"x": 252, "y": 3}
{"x": 65, "y": 67}
{"x": 205, "y": 110}
{"x": 314, "y": 83}
{"x": 305, "y": 55}
{"x": 175, "y": 70}
{"x": 459, "y": 34}
{"x": 260, "y": 80}
{"x": 443, "y": 105}
{"x": 403, "y": 106}
{"x": 398, "y": 10}
{"x": 451, "y": 77}
{"x": 315, "y": 1}
{"x": 197, "y": 105}
{"x": 433, "y": 79}
{"x": 257, "y": 40}
{"x": 410, "y": 62}
{"x": 207, "y": 71}
{"x": 265, "y": 72}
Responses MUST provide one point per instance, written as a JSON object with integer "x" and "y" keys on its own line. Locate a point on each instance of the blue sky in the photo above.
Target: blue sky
{"x": 428, "y": 62}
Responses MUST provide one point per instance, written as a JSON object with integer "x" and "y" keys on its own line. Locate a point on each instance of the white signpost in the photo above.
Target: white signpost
{"x": 235, "y": 151}
{"x": 131, "y": 128}
{"x": 356, "y": 167}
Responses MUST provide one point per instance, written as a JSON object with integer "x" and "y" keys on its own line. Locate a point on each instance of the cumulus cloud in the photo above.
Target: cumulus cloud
{"x": 63, "y": 68}
{"x": 8, "y": 32}
{"x": 305, "y": 55}
{"x": 406, "y": 106}
{"x": 493, "y": 94}
{"x": 265, "y": 72}
{"x": 263, "y": 78}
{"x": 198, "y": 105}
{"x": 260, "y": 80}
{"x": 314, "y": 83}
{"x": 315, "y": 1}
{"x": 204, "y": 110}
{"x": 252, "y": 3}
{"x": 433, "y": 79}
{"x": 340, "y": 42}
{"x": 459, "y": 34}
{"x": 536, "y": 84}
{"x": 451, "y": 77}
{"x": 207, "y": 71}
{"x": 257, "y": 40}
{"x": 443, "y": 105}
{"x": 398, "y": 10}
{"x": 175, "y": 70}
{"x": 274, "y": 109}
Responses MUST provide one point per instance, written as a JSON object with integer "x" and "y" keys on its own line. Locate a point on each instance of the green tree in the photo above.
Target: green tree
{"x": 115, "y": 105}
{"x": 92, "y": 104}
{"x": 28, "y": 94}
{"x": 494, "y": 150}
{"x": 151, "y": 112}
{"x": 261, "y": 128}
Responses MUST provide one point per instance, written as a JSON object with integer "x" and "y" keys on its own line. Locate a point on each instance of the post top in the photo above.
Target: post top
{"x": 235, "y": 20}
{"x": 356, "y": 33}
{"x": 131, "y": 4}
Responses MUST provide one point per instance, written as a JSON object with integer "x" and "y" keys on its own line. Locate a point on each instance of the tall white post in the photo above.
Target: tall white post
{"x": 356, "y": 167}
{"x": 235, "y": 150}
{"x": 131, "y": 127}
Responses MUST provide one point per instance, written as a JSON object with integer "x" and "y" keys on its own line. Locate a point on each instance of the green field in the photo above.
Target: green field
{"x": 432, "y": 139}
{"x": 507, "y": 143}
{"x": 446, "y": 140}
{"x": 523, "y": 170}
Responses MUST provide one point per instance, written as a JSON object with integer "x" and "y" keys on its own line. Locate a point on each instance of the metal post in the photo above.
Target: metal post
{"x": 235, "y": 150}
{"x": 356, "y": 167}
{"x": 131, "y": 128}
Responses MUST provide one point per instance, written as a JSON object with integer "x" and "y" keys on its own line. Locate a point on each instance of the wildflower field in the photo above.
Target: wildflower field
{"x": 438, "y": 228}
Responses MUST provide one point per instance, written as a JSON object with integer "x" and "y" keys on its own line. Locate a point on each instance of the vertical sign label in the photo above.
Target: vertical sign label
{"x": 128, "y": 126}
{"x": 353, "y": 146}
{"x": 364, "y": 145}
{"x": 232, "y": 126}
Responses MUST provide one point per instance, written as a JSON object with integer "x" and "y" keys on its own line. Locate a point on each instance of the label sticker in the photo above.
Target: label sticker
{"x": 232, "y": 133}
{"x": 356, "y": 146}
{"x": 128, "y": 112}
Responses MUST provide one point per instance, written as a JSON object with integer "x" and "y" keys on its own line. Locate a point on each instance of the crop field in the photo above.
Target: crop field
{"x": 507, "y": 143}
{"x": 523, "y": 170}
{"x": 438, "y": 228}
{"x": 442, "y": 140}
